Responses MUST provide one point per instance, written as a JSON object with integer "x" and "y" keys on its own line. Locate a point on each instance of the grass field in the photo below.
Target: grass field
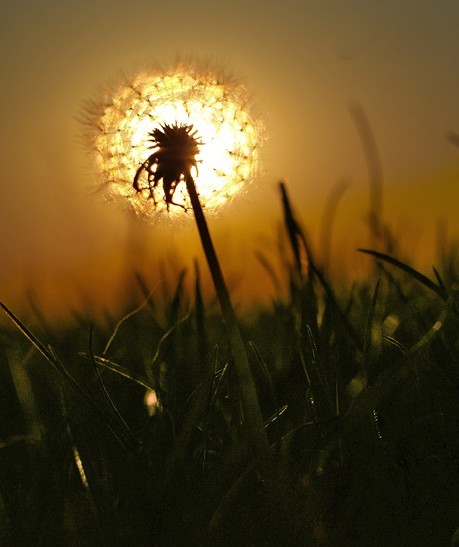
{"x": 131, "y": 431}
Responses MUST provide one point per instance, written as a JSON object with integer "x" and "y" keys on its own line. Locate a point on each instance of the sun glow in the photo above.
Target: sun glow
{"x": 217, "y": 110}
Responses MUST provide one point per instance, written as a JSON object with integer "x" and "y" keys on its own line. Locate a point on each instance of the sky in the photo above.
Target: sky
{"x": 305, "y": 64}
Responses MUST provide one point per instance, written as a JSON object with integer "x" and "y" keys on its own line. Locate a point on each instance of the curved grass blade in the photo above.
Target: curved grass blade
{"x": 433, "y": 331}
{"x": 166, "y": 335}
{"x": 125, "y": 318}
{"x": 391, "y": 340}
{"x": 441, "y": 292}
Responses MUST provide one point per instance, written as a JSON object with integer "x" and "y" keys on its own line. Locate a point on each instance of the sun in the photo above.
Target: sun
{"x": 218, "y": 112}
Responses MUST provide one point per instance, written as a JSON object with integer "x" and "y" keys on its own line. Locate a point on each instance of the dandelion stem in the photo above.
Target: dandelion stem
{"x": 253, "y": 419}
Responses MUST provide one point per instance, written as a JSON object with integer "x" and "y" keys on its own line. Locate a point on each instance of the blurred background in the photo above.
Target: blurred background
{"x": 306, "y": 63}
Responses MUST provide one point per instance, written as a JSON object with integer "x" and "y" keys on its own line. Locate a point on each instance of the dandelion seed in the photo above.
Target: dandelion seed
{"x": 218, "y": 116}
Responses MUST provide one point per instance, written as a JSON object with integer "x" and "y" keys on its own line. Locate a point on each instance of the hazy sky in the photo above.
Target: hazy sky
{"x": 305, "y": 62}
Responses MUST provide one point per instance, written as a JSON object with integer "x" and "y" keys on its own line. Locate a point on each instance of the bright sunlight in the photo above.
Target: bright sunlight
{"x": 215, "y": 108}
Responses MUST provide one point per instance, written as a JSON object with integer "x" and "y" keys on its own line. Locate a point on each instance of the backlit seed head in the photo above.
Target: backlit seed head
{"x": 150, "y": 114}
{"x": 174, "y": 155}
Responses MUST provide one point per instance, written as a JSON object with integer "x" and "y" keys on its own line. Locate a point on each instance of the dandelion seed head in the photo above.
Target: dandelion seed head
{"x": 218, "y": 112}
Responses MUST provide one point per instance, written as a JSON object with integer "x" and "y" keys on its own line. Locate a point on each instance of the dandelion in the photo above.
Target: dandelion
{"x": 216, "y": 111}
{"x": 179, "y": 140}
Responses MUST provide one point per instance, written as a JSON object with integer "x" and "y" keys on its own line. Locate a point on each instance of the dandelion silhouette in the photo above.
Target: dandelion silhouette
{"x": 168, "y": 142}
{"x": 217, "y": 110}
{"x": 170, "y": 163}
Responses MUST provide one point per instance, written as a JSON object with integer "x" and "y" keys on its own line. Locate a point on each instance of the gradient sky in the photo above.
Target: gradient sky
{"x": 305, "y": 62}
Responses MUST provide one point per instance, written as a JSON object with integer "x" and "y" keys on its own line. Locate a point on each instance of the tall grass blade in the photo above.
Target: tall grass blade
{"x": 330, "y": 294}
{"x": 296, "y": 236}
{"x": 293, "y": 229}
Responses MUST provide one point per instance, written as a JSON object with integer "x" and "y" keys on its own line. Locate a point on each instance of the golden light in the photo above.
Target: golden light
{"x": 218, "y": 111}
{"x": 151, "y": 402}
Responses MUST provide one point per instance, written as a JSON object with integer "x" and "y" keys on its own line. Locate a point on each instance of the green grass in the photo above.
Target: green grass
{"x": 358, "y": 388}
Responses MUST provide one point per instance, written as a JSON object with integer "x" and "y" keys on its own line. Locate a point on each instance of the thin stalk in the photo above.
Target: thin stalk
{"x": 253, "y": 424}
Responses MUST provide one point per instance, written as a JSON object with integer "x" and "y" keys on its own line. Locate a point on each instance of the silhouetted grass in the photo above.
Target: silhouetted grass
{"x": 358, "y": 390}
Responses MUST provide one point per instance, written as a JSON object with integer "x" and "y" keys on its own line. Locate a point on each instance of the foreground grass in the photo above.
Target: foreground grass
{"x": 359, "y": 392}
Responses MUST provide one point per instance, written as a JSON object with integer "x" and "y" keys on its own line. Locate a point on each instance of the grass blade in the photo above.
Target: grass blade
{"x": 293, "y": 230}
{"x": 441, "y": 292}
{"x": 32, "y": 338}
{"x": 100, "y": 381}
{"x": 320, "y": 389}
{"x": 125, "y": 318}
{"x": 52, "y": 358}
{"x": 368, "y": 332}
{"x": 166, "y": 335}
{"x": 328, "y": 217}
{"x": 122, "y": 371}
{"x": 265, "y": 370}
